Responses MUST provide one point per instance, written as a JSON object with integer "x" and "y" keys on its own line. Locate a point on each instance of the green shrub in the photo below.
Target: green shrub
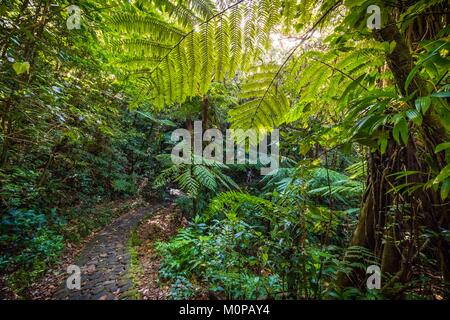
{"x": 245, "y": 247}
{"x": 27, "y": 237}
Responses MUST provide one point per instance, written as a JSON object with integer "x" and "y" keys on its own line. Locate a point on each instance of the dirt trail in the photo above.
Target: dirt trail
{"x": 105, "y": 262}
{"x": 159, "y": 227}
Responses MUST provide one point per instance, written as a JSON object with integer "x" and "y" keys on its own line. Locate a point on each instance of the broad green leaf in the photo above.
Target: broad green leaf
{"x": 21, "y": 67}
{"x": 444, "y": 174}
{"x": 402, "y": 174}
{"x": 414, "y": 116}
{"x": 392, "y": 46}
{"x": 443, "y": 94}
{"x": 442, "y": 146}
{"x": 383, "y": 142}
{"x": 445, "y": 189}
{"x": 413, "y": 72}
{"x": 411, "y": 76}
{"x": 401, "y": 131}
{"x": 423, "y": 103}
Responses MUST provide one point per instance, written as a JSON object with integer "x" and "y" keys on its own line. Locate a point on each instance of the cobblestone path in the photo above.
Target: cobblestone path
{"x": 105, "y": 262}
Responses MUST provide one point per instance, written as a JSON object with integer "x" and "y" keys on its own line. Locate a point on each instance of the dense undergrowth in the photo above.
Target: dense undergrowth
{"x": 285, "y": 242}
{"x": 33, "y": 242}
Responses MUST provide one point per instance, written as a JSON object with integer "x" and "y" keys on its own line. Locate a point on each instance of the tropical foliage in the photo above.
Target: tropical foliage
{"x": 86, "y": 117}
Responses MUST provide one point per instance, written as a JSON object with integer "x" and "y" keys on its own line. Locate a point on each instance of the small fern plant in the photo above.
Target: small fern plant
{"x": 194, "y": 179}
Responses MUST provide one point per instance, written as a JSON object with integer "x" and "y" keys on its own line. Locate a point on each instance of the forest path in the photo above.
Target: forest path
{"x": 105, "y": 262}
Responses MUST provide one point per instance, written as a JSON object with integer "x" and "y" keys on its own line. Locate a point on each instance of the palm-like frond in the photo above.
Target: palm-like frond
{"x": 205, "y": 177}
{"x": 188, "y": 183}
{"x": 213, "y": 49}
{"x": 192, "y": 178}
{"x": 233, "y": 200}
{"x": 150, "y": 25}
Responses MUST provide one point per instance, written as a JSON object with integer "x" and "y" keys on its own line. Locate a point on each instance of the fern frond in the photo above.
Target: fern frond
{"x": 149, "y": 25}
{"x": 208, "y": 57}
{"x": 181, "y": 13}
{"x": 143, "y": 48}
{"x": 206, "y": 8}
{"x": 205, "y": 177}
{"x": 188, "y": 183}
{"x": 268, "y": 103}
{"x": 234, "y": 199}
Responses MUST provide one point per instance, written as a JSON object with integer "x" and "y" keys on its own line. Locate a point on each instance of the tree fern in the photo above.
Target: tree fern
{"x": 329, "y": 183}
{"x": 212, "y": 49}
{"x": 205, "y": 177}
{"x": 143, "y": 48}
{"x": 181, "y": 12}
{"x": 208, "y": 55}
{"x": 268, "y": 102}
{"x": 328, "y": 76}
{"x": 223, "y": 48}
{"x": 270, "y": 107}
{"x": 150, "y": 25}
{"x": 193, "y": 178}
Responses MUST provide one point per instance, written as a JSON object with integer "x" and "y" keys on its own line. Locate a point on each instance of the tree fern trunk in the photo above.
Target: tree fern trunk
{"x": 205, "y": 107}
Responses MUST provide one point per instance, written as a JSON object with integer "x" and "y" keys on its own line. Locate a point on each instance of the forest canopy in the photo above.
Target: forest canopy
{"x": 353, "y": 93}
